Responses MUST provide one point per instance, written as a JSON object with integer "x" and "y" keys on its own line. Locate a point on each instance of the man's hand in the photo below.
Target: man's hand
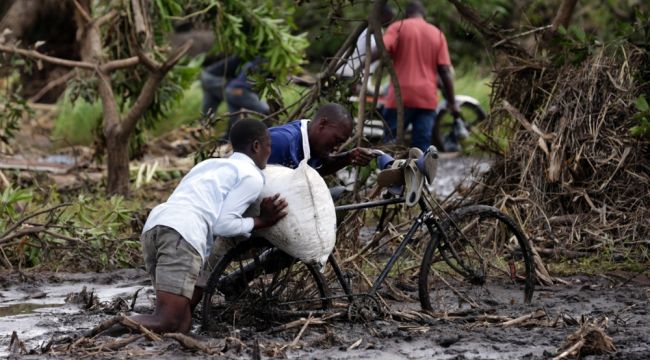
{"x": 272, "y": 209}
{"x": 453, "y": 109}
{"x": 360, "y": 156}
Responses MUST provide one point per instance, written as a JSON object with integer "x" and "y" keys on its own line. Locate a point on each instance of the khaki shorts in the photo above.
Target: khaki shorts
{"x": 173, "y": 264}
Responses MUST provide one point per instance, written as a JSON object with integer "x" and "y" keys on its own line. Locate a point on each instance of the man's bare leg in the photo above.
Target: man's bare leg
{"x": 172, "y": 314}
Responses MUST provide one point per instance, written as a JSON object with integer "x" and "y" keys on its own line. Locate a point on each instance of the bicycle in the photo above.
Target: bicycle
{"x": 476, "y": 256}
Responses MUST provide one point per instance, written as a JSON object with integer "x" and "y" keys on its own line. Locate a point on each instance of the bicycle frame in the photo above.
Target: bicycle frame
{"x": 425, "y": 217}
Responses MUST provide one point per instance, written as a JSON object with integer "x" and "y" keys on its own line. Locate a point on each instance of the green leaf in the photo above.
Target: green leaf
{"x": 579, "y": 33}
{"x": 641, "y": 104}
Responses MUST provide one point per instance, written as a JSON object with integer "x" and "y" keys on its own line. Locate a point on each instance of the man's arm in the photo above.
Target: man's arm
{"x": 444, "y": 71}
{"x": 357, "y": 156}
{"x": 390, "y": 42}
{"x": 231, "y": 222}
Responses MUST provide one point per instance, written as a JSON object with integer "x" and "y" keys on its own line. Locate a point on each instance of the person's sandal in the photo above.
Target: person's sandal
{"x": 428, "y": 164}
{"x": 413, "y": 178}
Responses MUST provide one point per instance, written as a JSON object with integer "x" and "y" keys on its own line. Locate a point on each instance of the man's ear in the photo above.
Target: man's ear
{"x": 256, "y": 146}
{"x": 323, "y": 122}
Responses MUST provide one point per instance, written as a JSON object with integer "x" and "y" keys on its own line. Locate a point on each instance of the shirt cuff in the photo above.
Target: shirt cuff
{"x": 247, "y": 225}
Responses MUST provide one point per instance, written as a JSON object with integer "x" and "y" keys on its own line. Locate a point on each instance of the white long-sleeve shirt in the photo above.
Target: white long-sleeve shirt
{"x": 356, "y": 60}
{"x": 210, "y": 201}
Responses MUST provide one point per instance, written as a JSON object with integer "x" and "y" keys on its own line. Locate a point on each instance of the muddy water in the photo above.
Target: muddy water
{"x": 37, "y": 311}
{"x": 452, "y": 171}
{"x": 35, "y": 307}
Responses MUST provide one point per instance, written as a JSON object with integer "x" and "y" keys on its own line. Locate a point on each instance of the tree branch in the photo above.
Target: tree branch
{"x": 32, "y": 215}
{"x": 21, "y": 232}
{"x": 176, "y": 56}
{"x": 375, "y": 26}
{"x": 50, "y": 59}
{"x": 52, "y": 84}
{"x": 82, "y": 11}
{"x": 336, "y": 61}
{"x": 151, "y": 64}
{"x": 104, "y": 18}
{"x": 564, "y": 13}
{"x": 487, "y": 30}
{"x": 120, "y": 64}
{"x": 149, "y": 89}
{"x": 141, "y": 29}
{"x": 111, "y": 115}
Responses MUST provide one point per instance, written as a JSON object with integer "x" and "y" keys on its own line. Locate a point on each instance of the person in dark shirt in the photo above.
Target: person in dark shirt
{"x": 330, "y": 128}
{"x": 318, "y": 141}
{"x": 214, "y": 78}
{"x": 240, "y": 95}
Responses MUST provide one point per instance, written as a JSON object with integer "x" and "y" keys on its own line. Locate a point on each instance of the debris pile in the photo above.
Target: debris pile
{"x": 572, "y": 172}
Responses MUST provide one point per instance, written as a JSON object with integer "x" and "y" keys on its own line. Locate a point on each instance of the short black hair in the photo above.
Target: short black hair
{"x": 244, "y": 132}
{"x": 387, "y": 14}
{"x": 415, "y": 8}
{"x": 336, "y": 113}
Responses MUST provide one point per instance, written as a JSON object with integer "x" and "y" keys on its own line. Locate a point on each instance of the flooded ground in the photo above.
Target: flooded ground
{"x": 35, "y": 308}
{"x": 43, "y": 308}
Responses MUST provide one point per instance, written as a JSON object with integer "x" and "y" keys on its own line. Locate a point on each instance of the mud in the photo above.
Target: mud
{"x": 35, "y": 307}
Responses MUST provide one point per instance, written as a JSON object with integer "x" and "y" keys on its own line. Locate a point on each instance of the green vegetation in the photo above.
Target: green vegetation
{"x": 76, "y": 122}
{"x": 97, "y": 228}
{"x": 473, "y": 81}
{"x": 643, "y": 117}
{"x": 597, "y": 263}
{"x": 14, "y": 107}
{"x": 186, "y": 111}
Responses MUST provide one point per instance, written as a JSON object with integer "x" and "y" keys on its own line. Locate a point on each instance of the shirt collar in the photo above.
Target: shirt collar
{"x": 241, "y": 156}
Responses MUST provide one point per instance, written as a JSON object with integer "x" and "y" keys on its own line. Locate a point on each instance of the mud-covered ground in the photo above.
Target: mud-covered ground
{"x": 38, "y": 307}
{"x": 34, "y": 306}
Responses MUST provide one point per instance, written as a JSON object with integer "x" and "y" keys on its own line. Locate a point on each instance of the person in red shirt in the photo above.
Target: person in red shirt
{"x": 419, "y": 52}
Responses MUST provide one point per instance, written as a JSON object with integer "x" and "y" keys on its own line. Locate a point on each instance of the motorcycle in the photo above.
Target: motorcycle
{"x": 447, "y": 131}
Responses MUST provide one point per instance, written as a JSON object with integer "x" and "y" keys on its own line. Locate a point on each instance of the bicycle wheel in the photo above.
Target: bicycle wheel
{"x": 255, "y": 286}
{"x": 484, "y": 260}
{"x": 472, "y": 115}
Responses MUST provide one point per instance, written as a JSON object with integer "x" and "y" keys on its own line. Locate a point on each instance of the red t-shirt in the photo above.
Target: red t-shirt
{"x": 417, "y": 48}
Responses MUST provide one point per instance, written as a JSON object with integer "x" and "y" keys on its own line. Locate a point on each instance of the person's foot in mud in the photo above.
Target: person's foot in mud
{"x": 173, "y": 313}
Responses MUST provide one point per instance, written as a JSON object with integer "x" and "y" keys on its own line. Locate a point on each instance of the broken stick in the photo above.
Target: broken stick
{"x": 191, "y": 343}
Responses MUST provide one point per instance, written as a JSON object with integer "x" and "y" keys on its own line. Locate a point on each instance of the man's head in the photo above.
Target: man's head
{"x": 251, "y": 137}
{"x": 330, "y": 128}
{"x": 387, "y": 15}
{"x": 415, "y": 9}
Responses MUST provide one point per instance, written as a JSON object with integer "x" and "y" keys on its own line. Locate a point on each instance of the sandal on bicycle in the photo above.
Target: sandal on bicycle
{"x": 413, "y": 178}
{"x": 428, "y": 164}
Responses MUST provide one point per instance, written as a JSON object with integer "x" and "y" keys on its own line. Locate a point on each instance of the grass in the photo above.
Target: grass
{"x": 75, "y": 122}
{"x": 186, "y": 112}
{"x": 596, "y": 263}
{"x": 473, "y": 82}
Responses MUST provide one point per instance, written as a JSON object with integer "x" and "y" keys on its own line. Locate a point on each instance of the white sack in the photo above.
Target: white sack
{"x": 308, "y": 232}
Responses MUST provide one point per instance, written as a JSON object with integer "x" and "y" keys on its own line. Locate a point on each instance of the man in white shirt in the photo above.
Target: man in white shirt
{"x": 208, "y": 202}
{"x": 353, "y": 66}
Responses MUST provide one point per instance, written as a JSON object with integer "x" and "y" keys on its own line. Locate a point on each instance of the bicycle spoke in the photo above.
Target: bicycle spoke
{"x": 486, "y": 258}
{"x": 263, "y": 298}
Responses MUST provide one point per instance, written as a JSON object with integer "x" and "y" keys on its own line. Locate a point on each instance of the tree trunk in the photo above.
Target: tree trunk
{"x": 117, "y": 159}
{"x": 562, "y": 18}
{"x": 375, "y": 27}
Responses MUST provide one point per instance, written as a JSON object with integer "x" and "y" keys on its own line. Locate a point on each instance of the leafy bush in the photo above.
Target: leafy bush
{"x": 53, "y": 231}
{"x": 643, "y": 117}
{"x": 76, "y": 121}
